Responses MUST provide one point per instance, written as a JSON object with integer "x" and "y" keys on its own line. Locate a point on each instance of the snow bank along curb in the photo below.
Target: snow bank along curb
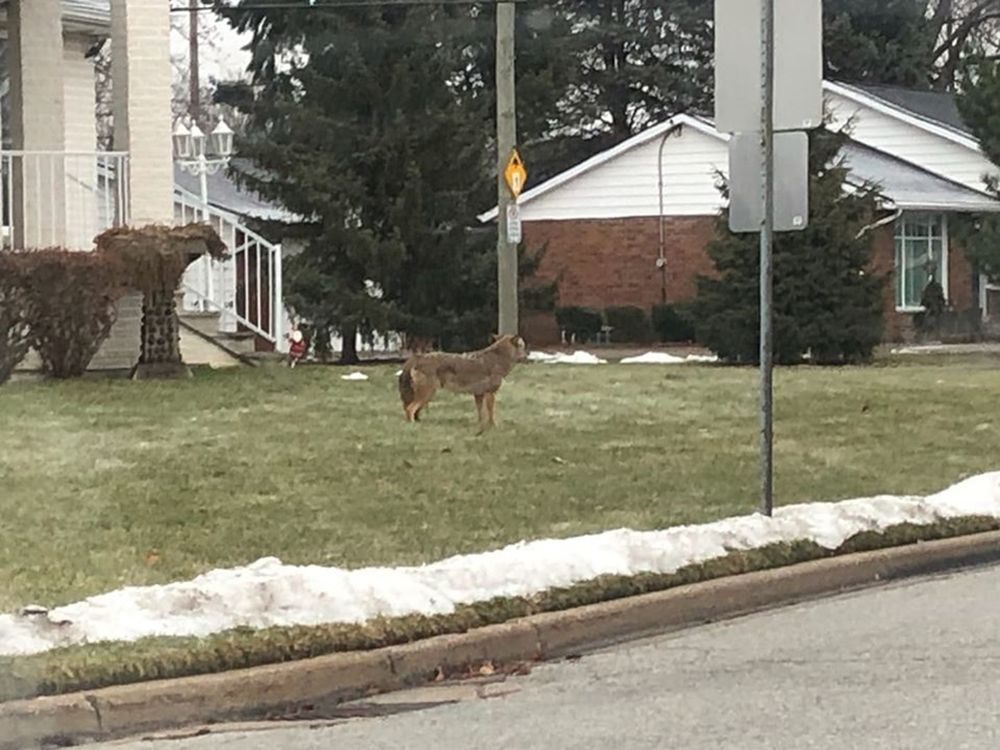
{"x": 268, "y": 593}
{"x": 126, "y": 710}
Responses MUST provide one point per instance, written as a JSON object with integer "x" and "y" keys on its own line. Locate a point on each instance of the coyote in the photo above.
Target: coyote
{"x": 480, "y": 373}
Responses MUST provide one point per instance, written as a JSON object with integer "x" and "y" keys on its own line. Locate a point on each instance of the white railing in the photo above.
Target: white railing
{"x": 61, "y": 198}
{"x": 245, "y": 288}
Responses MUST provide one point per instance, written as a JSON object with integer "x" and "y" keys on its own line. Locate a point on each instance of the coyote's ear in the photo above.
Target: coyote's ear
{"x": 494, "y": 337}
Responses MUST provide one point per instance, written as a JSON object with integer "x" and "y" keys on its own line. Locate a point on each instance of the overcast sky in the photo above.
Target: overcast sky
{"x": 221, "y": 52}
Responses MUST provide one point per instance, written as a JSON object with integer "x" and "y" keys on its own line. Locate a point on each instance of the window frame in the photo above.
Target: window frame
{"x": 900, "y": 225}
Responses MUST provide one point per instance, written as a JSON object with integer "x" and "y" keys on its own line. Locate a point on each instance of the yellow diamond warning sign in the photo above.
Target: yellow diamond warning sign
{"x": 515, "y": 174}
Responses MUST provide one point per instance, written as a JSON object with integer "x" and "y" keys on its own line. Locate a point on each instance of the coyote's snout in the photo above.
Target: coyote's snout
{"x": 480, "y": 373}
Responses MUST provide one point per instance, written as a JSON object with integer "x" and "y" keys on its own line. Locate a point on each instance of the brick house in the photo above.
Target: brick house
{"x": 58, "y": 188}
{"x": 629, "y": 226}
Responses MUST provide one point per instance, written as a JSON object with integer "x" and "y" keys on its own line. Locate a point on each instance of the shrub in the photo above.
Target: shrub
{"x": 827, "y": 298}
{"x": 15, "y": 333}
{"x": 582, "y": 322}
{"x": 629, "y": 324}
{"x": 71, "y": 306}
{"x": 673, "y": 323}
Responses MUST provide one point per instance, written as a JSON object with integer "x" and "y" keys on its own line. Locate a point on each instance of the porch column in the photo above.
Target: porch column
{"x": 35, "y": 62}
{"x": 84, "y": 200}
{"x": 141, "y": 72}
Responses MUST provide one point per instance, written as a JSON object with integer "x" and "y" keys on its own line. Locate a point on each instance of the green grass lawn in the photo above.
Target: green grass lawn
{"x": 107, "y": 483}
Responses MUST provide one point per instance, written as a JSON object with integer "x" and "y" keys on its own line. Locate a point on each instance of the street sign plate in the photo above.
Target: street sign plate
{"x": 798, "y": 65}
{"x": 513, "y": 223}
{"x": 791, "y": 182}
{"x": 514, "y": 174}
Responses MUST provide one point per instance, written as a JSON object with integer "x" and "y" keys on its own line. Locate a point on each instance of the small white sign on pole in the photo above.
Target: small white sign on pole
{"x": 513, "y": 223}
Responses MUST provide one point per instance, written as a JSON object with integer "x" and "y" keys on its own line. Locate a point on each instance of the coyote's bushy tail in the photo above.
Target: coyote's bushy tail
{"x": 406, "y": 392}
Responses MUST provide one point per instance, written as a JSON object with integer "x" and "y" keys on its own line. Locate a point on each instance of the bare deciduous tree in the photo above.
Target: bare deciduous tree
{"x": 210, "y": 40}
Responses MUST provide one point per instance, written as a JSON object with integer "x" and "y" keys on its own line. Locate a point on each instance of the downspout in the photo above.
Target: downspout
{"x": 880, "y": 223}
{"x": 661, "y": 258}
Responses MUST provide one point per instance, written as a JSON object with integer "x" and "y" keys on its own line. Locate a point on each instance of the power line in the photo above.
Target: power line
{"x": 335, "y": 4}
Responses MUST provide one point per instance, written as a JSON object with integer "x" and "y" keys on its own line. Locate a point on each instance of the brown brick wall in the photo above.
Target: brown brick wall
{"x": 899, "y": 325}
{"x": 960, "y": 292}
{"x": 602, "y": 262}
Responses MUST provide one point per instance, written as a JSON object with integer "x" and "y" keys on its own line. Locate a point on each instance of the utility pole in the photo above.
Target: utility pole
{"x": 194, "y": 75}
{"x": 506, "y": 142}
{"x": 766, "y": 267}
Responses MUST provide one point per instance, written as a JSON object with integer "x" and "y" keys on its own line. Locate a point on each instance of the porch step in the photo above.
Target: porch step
{"x": 213, "y": 347}
{"x": 206, "y": 322}
{"x": 242, "y": 342}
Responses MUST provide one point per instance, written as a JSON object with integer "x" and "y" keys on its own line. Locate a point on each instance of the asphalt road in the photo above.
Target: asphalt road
{"x": 913, "y": 666}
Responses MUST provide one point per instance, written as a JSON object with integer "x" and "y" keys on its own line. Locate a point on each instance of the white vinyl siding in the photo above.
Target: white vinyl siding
{"x": 628, "y": 185}
{"x": 934, "y": 153}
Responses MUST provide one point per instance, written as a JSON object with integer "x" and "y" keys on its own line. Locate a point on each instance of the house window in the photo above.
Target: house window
{"x": 921, "y": 252}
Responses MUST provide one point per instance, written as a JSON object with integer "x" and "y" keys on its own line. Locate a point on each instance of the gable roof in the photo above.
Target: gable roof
{"x": 656, "y": 131}
{"x": 937, "y": 106}
{"x": 902, "y": 183}
{"x": 933, "y": 113}
{"x": 908, "y": 186}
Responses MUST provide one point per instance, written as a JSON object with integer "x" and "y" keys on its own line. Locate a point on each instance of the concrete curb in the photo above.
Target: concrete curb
{"x": 248, "y": 693}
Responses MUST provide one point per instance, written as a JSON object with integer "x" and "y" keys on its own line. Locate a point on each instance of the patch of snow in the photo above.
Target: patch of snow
{"x": 921, "y": 349}
{"x": 354, "y": 376}
{"x": 576, "y": 358}
{"x": 653, "y": 358}
{"x": 662, "y": 358}
{"x": 540, "y": 356}
{"x": 268, "y": 593}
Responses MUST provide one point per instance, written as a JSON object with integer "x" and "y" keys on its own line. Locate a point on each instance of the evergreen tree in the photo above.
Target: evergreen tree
{"x": 358, "y": 119}
{"x": 887, "y": 42}
{"x": 827, "y": 302}
{"x": 591, "y": 73}
{"x": 979, "y": 104}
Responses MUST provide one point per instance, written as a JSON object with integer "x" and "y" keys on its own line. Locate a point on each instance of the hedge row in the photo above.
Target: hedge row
{"x": 58, "y": 302}
{"x": 629, "y": 324}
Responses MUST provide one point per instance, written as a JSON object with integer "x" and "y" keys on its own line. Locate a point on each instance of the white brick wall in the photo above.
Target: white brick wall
{"x": 80, "y": 135}
{"x": 121, "y": 349}
{"x": 38, "y": 103}
{"x": 142, "y": 75}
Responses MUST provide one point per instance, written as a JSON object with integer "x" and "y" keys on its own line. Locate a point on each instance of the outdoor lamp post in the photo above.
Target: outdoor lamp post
{"x": 201, "y": 155}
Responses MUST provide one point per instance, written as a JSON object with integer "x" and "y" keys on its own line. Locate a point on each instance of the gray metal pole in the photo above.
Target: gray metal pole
{"x": 766, "y": 268}
{"x": 506, "y": 141}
